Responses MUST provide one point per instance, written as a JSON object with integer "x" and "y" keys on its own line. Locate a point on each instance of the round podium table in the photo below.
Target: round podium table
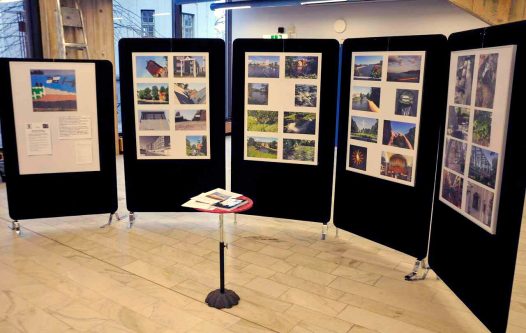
{"x": 224, "y": 298}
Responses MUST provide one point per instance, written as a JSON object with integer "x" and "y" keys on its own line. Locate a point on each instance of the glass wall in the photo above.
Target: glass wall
{"x": 200, "y": 22}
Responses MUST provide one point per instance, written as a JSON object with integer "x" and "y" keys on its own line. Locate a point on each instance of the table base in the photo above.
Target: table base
{"x": 221, "y": 300}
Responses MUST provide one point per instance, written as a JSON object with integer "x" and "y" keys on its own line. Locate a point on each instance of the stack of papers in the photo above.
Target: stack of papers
{"x": 218, "y": 198}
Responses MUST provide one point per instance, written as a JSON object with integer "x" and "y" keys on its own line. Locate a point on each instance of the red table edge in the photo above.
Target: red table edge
{"x": 239, "y": 209}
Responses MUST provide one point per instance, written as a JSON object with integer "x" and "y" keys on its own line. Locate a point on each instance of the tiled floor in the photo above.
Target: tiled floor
{"x": 69, "y": 275}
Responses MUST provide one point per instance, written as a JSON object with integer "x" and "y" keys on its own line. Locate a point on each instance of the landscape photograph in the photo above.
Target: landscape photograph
{"x": 189, "y": 66}
{"x": 196, "y": 145}
{"x": 406, "y": 102}
{"x": 258, "y": 93}
{"x": 452, "y": 186}
{"x": 483, "y": 166}
{"x": 455, "y": 155}
{"x": 368, "y": 68}
{"x": 262, "y": 121}
{"x": 151, "y": 66}
{"x": 301, "y": 67}
{"x": 299, "y": 150}
{"x": 404, "y": 68}
{"x": 156, "y": 93}
{"x": 260, "y": 147}
{"x": 458, "y": 122}
{"x": 358, "y": 157}
{"x": 364, "y": 129}
{"x": 306, "y": 95}
{"x": 486, "y": 80}
{"x": 155, "y": 145}
{"x": 190, "y": 93}
{"x": 479, "y": 203}
{"x": 396, "y": 166}
{"x": 154, "y": 121}
{"x": 464, "y": 79}
{"x": 53, "y": 90}
{"x": 299, "y": 123}
{"x": 190, "y": 120}
{"x": 263, "y": 66}
{"x": 482, "y": 127}
{"x": 365, "y": 99}
{"x": 399, "y": 134}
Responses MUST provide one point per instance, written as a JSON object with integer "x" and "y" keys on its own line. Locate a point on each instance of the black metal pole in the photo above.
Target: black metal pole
{"x": 222, "y": 266}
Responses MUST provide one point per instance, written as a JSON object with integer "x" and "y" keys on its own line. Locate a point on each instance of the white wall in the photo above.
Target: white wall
{"x": 408, "y": 17}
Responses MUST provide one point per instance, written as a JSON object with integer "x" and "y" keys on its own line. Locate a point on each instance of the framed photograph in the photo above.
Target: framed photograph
{"x": 479, "y": 95}
{"x": 263, "y": 66}
{"x": 171, "y": 105}
{"x": 301, "y": 67}
{"x": 368, "y": 68}
{"x": 258, "y": 93}
{"x": 53, "y": 90}
{"x": 366, "y": 99}
{"x": 404, "y": 68}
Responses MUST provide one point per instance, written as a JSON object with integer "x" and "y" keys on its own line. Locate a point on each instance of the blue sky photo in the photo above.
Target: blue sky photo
{"x": 367, "y": 60}
{"x": 63, "y": 80}
{"x": 401, "y": 127}
{"x": 143, "y": 60}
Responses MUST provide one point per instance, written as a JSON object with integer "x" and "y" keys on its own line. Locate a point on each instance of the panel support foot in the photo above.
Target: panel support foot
{"x": 324, "y": 228}
{"x": 131, "y": 220}
{"x": 420, "y": 271}
{"x": 15, "y": 226}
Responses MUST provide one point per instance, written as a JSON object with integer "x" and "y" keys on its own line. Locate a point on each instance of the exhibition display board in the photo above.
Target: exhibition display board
{"x": 58, "y": 127}
{"x": 284, "y": 113}
{"x": 173, "y": 103}
{"x": 481, "y": 181}
{"x": 392, "y": 92}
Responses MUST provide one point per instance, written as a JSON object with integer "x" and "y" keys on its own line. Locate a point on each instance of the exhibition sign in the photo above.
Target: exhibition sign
{"x": 384, "y": 117}
{"x": 480, "y": 82}
{"x": 282, "y": 108}
{"x": 55, "y": 118}
{"x": 172, "y": 105}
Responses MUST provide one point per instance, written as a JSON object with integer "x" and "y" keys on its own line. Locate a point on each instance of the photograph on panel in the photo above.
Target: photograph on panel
{"x": 368, "y": 68}
{"x": 263, "y": 66}
{"x": 154, "y": 120}
{"x": 358, "y": 157}
{"x": 365, "y": 99}
{"x": 482, "y": 128}
{"x": 262, "y": 121}
{"x": 262, "y": 147}
{"x": 189, "y": 66}
{"x": 399, "y": 134}
{"x": 406, "y": 102}
{"x": 196, "y": 145}
{"x": 190, "y": 93}
{"x": 455, "y": 155}
{"x": 301, "y": 67}
{"x": 483, "y": 166}
{"x": 397, "y": 166}
{"x": 299, "y": 122}
{"x": 404, "y": 68}
{"x": 464, "y": 79}
{"x": 53, "y": 90}
{"x": 306, "y": 95}
{"x": 364, "y": 129}
{"x": 458, "y": 122}
{"x": 452, "y": 186}
{"x": 155, "y": 145}
{"x": 299, "y": 150}
{"x": 152, "y": 93}
{"x": 190, "y": 120}
{"x": 151, "y": 66}
{"x": 258, "y": 93}
{"x": 486, "y": 80}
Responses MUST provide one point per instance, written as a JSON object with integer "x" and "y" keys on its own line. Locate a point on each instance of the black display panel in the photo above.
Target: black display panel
{"x": 163, "y": 185}
{"x": 478, "y": 266}
{"x": 53, "y": 194}
{"x": 283, "y": 188}
{"x": 394, "y": 214}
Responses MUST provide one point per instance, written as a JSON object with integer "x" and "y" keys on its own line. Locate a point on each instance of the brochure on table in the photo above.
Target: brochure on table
{"x": 172, "y": 109}
{"x": 384, "y": 114}
{"x": 479, "y": 95}
{"x": 55, "y": 117}
{"x": 282, "y": 107}
{"x": 215, "y": 199}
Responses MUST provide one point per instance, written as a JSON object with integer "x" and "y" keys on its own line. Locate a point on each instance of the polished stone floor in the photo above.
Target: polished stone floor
{"x": 69, "y": 275}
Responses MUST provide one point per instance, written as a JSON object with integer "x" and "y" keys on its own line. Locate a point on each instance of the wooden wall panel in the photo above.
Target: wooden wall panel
{"x": 495, "y": 11}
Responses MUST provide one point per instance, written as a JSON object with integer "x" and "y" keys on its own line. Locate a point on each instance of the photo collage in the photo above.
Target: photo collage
{"x": 384, "y": 114}
{"x": 476, "y": 122}
{"x": 171, "y": 105}
{"x": 282, "y": 107}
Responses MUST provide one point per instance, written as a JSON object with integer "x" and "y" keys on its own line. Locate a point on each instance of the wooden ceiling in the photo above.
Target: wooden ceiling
{"x": 495, "y": 11}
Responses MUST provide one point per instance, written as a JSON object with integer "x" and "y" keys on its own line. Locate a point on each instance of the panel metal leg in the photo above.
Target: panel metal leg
{"x": 324, "y": 231}
{"x": 420, "y": 271}
{"x": 222, "y": 298}
{"x": 131, "y": 220}
{"x": 110, "y": 219}
{"x": 15, "y": 226}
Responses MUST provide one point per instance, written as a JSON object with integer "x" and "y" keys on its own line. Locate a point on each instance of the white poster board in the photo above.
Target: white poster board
{"x": 479, "y": 95}
{"x": 282, "y": 107}
{"x": 384, "y": 114}
{"x": 172, "y": 107}
{"x": 55, "y": 113}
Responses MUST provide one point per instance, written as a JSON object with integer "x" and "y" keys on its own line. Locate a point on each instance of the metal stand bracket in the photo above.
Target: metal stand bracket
{"x": 324, "y": 229}
{"x": 15, "y": 226}
{"x": 110, "y": 220}
{"x": 131, "y": 220}
{"x": 420, "y": 271}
